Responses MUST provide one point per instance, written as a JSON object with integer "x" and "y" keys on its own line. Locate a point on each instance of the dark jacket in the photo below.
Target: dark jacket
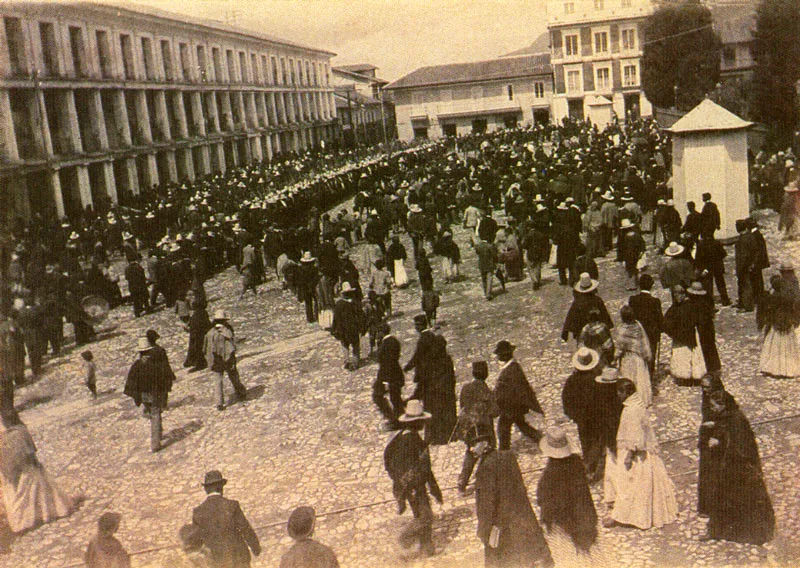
{"x": 226, "y": 532}
{"x": 137, "y": 281}
{"x": 514, "y": 393}
{"x": 149, "y": 375}
{"x": 308, "y": 553}
{"x": 349, "y": 322}
{"x": 408, "y": 464}
{"x": 647, "y": 311}
{"x": 578, "y": 314}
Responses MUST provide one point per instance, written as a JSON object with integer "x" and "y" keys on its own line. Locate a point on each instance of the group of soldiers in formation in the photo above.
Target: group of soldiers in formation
{"x": 569, "y": 193}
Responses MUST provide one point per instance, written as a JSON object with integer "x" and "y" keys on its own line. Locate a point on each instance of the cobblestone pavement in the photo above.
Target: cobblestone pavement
{"x": 309, "y": 433}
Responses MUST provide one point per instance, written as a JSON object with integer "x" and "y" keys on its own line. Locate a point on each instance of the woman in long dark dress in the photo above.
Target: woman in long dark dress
{"x": 709, "y": 384}
{"x": 440, "y": 395}
{"x": 734, "y": 494}
{"x": 199, "y": 324}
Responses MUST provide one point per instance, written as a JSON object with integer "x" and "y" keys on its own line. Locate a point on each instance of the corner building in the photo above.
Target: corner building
{"x": 99, "y": 102}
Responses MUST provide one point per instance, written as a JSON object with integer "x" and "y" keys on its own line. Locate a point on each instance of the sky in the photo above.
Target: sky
{"x": 397, "y": 36}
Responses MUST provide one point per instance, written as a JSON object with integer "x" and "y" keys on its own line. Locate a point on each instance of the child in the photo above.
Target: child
{"x": 91, "y": 372}
{"x": 105, "y": 551}
{"x": 375, "y": 322}
{"x": 430, "y": 301}
{"x": 381, "y": 282}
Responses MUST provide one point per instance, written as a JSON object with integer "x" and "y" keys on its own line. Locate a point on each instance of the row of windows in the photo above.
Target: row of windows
{"x": 476, "y": 92}
{"x": 599, "y": 5}
{"x": 193, "y": 65}
{"x": 600, "y": 44}
{"x": 603, "y": 78}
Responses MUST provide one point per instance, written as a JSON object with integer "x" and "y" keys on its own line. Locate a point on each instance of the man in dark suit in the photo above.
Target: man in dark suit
{"x": 647, "y": 311}
{"x": 710, "y": 216}
{"x": 515, "y": 397}
{"x": 487, "y": 226}
{"x": 223, "y": 526}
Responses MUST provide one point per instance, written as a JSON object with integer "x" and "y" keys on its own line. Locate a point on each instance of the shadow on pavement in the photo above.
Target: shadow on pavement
{"x": 179, "y": 434}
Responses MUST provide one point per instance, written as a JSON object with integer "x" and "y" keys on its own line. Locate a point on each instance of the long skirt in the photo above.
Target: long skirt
{"x": 645, "y": 493}
{"x": 687, "y": 362}
{"x": 780, "y": 354}
{"x": 35, "y": 500}
{"x": 634, "y": 367}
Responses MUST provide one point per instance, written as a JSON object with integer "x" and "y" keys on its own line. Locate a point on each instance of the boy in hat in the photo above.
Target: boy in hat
{"x": 305, "y": 551}
{"x": 91, "y": 372}
{"x": 408, "y": 463}
{"x": 219, "y": 347}
{"x": 223, "y": 526}
{"x": 476, "y": 420}
{"x": 104, "y": 550}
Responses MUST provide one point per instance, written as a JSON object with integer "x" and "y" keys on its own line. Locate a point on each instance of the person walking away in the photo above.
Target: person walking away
{"x": 778, "y": 317}
{"x": 703, "y": 320}
{"x": 634, "y": 354}
{"x": 647, "y": 311}
{"x": 137, "y": 285}
{"x": 642, "y": 492}
{"x": 104, "y": 550}
{"x": 389, "y": 382}
{"x": 223, "y": 526}
{"x": 381, "y": 282}
{"x": 199, "y": 325}
{"x": 515, "y": 397}
{"x": 632, "y": 248}
{"x": 219, "y": 347}
{"x": 537, "y": 250}
{"x": 487, "y": 265}
{"x": 709, "y": 260}
{"x": 476, "y": 419}
{"x": 451, "y": 257}
{"x": 430, "y": 303}
{"x": 349, "y": 325}
{"x": 148, "y": 383}
{"x": 507, "y": 524}
{"x": 408, "y": 463}
{"x": 585, "y": 300}
{"x": 306, "y": 552}
{"x": 307, "y": 279}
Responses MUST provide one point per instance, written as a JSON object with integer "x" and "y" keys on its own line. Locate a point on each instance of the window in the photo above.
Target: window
{"x": 569, "y": 7}
{"x": 47, "y": 33}
{"x": 78, "y": 51}
{"x": 16, "y": 46}
{"x": 630, "y": 75}
{"x": 186, "y": 62}
{"x": 166, "y": 59}
{"x": 510, "y": 89}
{"x": 127, "y": 56}
{"x": 626, "y": 3}
{"x": 264, "y": 69}
{"x": 244, "y": 77}
{"x": 629, "y": 39}
{"x": 538, "y": 90}
{"x": 571, "y": 45}
{"x": 283, "y": 71}
{"x": 729, "y": 55}
{"x": 574, "y": 81}
{"x": 601, "y": 42}
{"x": 231, "y": 65}
{"x": 216, "y": 57}
{"x": 293, "y": 72}
{"x": 147, "y": 58}
{"x": 308, "y": 74}
{"x": 598, "y": 5}
{"x": 103, "y": 53}
{"x": 602, "y": 81}
{"x": 256, "y": 78}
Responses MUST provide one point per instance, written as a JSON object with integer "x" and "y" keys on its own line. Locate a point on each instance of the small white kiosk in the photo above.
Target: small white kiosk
{"x": 709, "y": 155}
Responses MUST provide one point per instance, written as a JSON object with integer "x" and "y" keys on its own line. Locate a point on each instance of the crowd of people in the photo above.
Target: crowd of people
{"x": 567, "y": 195}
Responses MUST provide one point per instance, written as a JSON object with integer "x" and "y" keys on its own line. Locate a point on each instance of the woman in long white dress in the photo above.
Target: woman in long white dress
{"x": 634, "y": 353}
{"x": 29, "y": 496}
{"x": 778, "y": 316}
{"x": 644, "y": 494}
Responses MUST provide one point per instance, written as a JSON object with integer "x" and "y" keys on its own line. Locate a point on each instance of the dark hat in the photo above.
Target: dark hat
{"x": 420, "y": 319}
{"x": 301, "y": 523}
{"x": 109, "y": 522}
{"x": 480, "y": 369}
{"x": 152, "y": 335}
{"x": 214, "y": 477}
{"x": 504, "y": 348}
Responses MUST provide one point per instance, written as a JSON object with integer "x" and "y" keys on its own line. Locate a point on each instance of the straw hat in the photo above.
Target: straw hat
{"x": 143, "y": 345}
{"x": 586, "y": 284}
{"x": 627, "y": 197}
{"x": 585, "y": 359}
{"x": 74, "y": 236}
{"x": 674, "y": 249}
{"x": 696, "y": 289}
{"x": 608, "y": 196}
{"x": 307, "y": 257}
{"x": 555, "y": 443}
{"x": 220, "y": 315}
{"x": 626, "y": 224}
{"x": 608, "y": 376}
{"x": 347, "y": 288}
{"x": 415, "y": 208}
{"x": 414, "y": 411}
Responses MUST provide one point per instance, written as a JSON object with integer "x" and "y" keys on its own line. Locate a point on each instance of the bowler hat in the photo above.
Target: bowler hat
{"x": 214, "y": 477}
{"x": 301, "y": 523}
{"x": 420, "y": 319}
{"x": 504, "y": 348}
{"x": 151, "y": 335}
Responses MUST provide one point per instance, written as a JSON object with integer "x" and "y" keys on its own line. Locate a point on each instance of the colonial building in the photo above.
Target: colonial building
{"x": 99, "y": 101}
{"x": 596, "y": 48}
{"x": 364, "y": 113}
{"x": 461, "y": 98}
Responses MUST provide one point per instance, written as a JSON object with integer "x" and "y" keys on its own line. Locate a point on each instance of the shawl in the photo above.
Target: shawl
{"x": 631, "y": 338}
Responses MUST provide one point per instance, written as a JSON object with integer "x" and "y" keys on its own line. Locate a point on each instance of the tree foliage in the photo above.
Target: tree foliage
{"x": 682, "y": 51}
{"x": 776, "y": 49}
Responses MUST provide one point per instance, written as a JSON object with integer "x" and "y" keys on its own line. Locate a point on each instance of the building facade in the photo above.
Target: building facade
{"x": 462, "y": 98}
{"x": 596, "y": 48}
{"x": 365, "y": 115}
{"x": 98, "y": 102}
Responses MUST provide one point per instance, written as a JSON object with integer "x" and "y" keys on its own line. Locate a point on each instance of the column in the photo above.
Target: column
{"x": 110, "y": 182}
{"x": 143, "y": 120}
{"x": 255, "y": 149}
{"x": 238, "y": 100}
{"x": 205, "y": 167}
{"x": 171, "y": 165}
{"x": 133, "y": 179}
{"x": 261, "y": 110}
{"x": 180, "y": 114}
{"x": 218, "y": 151}
{"x": 41, "y": 133}
{"x": 273, "y": 111}
{"x": 99, "y": 119}
{"x": 252, "y": 119}
{"x": 227, "y": 115}
{"x": 197, "y": 112}
{"x": 73, "y": 130}
{"x": 121, "y": 117}
{"x": 213, "y": 112}
{"x": 276, "y": 143}
{"x": 267, "y": 147}
{"x": 162, "y": 117}
{"x": 58, "y": 196}
{"x": 8, "y": 139}
{"x": 84, "y": 186}
{"x": 152, "y": 170}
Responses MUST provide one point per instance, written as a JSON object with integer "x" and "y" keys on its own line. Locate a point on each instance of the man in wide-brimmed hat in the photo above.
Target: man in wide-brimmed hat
{"x": 349, "y": 324}
{"x": 305, "y": 551}
{"x": 408, "y": 463}
{"x": 632, "y": 248}
{"x": 678, "y": 270}
{"x": 223, "y": 526}
{"x": 515, "y": 397}
{"x": 148, "y": 383}
{"x": 219, "y": 347}
{"x": 585, "y": 300}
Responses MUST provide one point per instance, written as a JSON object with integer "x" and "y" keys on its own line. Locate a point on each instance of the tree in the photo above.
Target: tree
{"x": 681, "y": 55}
{"x": 776, "y": 49}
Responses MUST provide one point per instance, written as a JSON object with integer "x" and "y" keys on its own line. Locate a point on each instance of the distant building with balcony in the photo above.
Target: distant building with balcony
{"x": 462, "y": 98}
{"x": 596, "y": 48}
{"x": 364, "y": 112}
{"x": 99, "y": 101}
{"x": 734, "y": 22}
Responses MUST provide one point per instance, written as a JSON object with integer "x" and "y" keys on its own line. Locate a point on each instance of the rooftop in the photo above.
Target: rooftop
{"x": 493, "y": 69}
{"x": 357, "y": 68}
{"x": 708, "y": 116}
{"x": 540, "y": 45}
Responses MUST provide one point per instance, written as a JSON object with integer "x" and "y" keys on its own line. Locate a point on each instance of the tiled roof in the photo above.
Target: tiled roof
{"x": 708, "y": 116}
{"x": 493, "y": 69}
{"x": 540, "y": 45}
